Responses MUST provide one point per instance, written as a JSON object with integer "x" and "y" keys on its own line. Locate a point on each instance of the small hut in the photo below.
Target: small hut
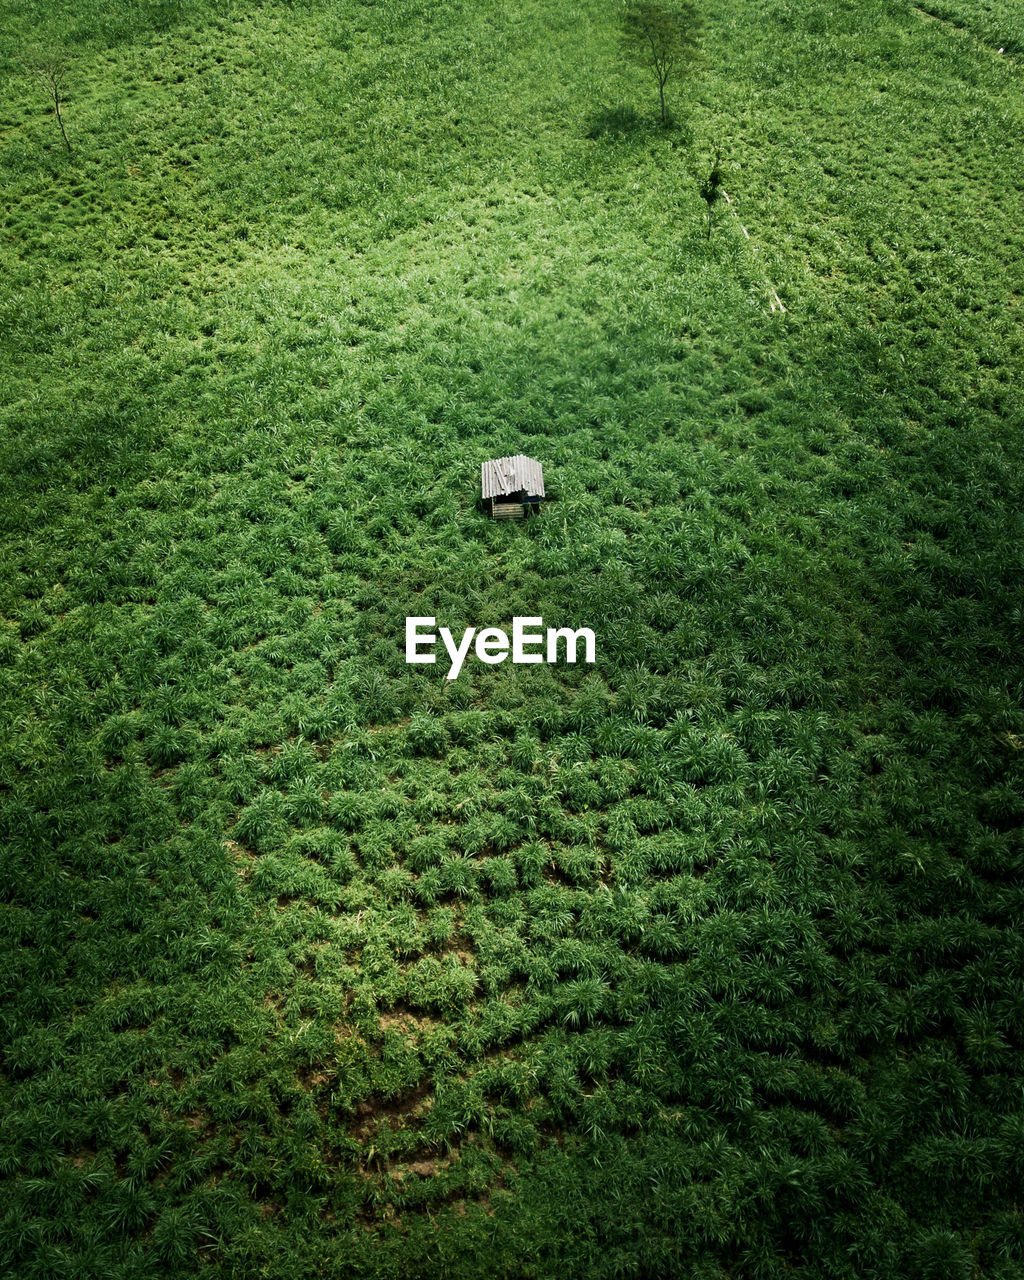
{"x": 512, "y": 486}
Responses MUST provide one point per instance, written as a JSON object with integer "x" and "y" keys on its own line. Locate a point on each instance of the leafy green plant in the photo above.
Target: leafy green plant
{"x": 261, "y": 823}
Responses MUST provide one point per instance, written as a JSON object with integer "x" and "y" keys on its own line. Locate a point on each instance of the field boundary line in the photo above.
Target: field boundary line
{"x": 774, "y": 301}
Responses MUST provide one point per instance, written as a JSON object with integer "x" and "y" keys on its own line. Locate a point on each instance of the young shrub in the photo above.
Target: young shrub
{"x": 375, "y": 848}
{"x": 304, "y": 802}
{"x": 578, "y": 788}
{"x": 580, "y": 865}
{"x": 530, "y": 860}
{"x": 546, "y": 718}
{"x": 423, "y": 983}
{"x": 427, "y": 887}
{"x": 426, "y": 851}
{"x": 166, "y": 745}
{"x": 500, "y": 874}
{"x": 329, "y": 719}
{"x": 192, "y": 790}
{"x": 525, "y": 752}
{"x": 439, "y": 926}
{"x": 427, "y": 735}
{"x": 388, "y": 804}
{"x": 318, "y": 844}
{"x": 261, "y": 825}
{"x": 459, "y": 876}
{"x": 632, "y": 864}
{"x": 504, "y": 832}
{"x": 662, "y": 939}
{"x": 377, "y": 700}
{"x": 293, "y": 760}
{"x": 466, "y": 728}
{"x": 459, "y": 985}
{"x": 639, "y": 694}
{"x": 342, "y": 863}
{"x": 941, "y": 1254}
{"x": 622, "y": 830}
{"x": 395, "y": 884}
{"x": 241, "y": 776}
{"x": 347, "y": 810}
{"x": 471, "y": 837}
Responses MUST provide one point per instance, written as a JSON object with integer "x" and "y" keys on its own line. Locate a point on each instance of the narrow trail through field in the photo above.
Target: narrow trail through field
{"x": 774, "y": 301}
{"x": 958, "y": 26}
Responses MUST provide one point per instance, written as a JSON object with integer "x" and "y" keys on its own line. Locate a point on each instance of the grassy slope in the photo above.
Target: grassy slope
{"x": 705, "y": 960}
{"x": 999, "y": 24}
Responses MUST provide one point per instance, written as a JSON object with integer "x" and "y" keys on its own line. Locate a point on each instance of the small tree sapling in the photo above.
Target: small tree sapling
{"x": 663, "y": 40}
{"x": 52, "y": 72}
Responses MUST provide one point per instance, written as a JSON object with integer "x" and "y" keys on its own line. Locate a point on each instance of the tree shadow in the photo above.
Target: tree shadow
{"x": 617, "y": 124}
{"x": 622, "y": 123}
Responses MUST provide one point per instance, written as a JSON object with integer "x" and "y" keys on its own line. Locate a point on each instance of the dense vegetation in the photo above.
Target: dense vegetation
{"x": 705, "y": 961}
{"x": 997, "y": 23}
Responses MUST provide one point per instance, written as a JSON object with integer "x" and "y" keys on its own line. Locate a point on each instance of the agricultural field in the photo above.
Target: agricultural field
{"x": 703, "y": 961}
{"x": 997, "y": 23}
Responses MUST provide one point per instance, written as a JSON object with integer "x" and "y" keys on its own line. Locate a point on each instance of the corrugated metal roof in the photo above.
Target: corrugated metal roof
{"x": 502, "y": 476}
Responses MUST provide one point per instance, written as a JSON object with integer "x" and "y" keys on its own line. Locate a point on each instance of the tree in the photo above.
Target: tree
{"x": 663, "y": 40}
{"x": 711, "y": 187}
{"x": 51, "y": 72}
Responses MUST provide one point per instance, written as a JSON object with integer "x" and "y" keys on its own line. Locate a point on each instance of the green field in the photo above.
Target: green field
{"x": 999, "y": 24}
{"x": 705, "y": 961}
